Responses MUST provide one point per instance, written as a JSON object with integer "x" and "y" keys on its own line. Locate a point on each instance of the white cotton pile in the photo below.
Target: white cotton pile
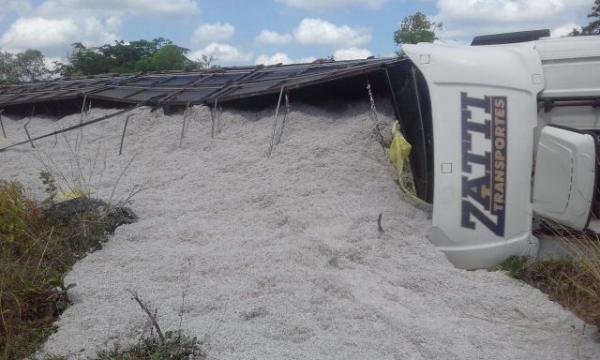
{"x": 280, "y": 257}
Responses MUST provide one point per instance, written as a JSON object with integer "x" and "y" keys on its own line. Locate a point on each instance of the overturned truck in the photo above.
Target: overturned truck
{"x": 501, "y": 131}
{"x": 515, "y": 128}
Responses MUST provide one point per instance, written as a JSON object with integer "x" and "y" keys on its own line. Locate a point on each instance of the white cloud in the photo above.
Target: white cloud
{"x": 134, "y": 7}
{"x": 50, "y": 34}
{"x": 508, "y": 11}
{"x": 50, "y": 62}
{"x": 332, "y": 4}
{"x": 320, "y": 32}
{"x": 306, "y": 60}
{"x": 272, "y": 37}
{"x": 38, "y": 33}
{"x": 351, "y": 54}
{"x": 113, "y": 22}
{"x": 213, "y": 32}
{"x": 224, "y": 54}
{"x": 53, "y": 25}
{"x": 281, "y": 58}
{"x": 278, "y": 58}
{"x": 564, "y": 30}
{"x": 464, "y": 19}
{"x": 98, "y": 32}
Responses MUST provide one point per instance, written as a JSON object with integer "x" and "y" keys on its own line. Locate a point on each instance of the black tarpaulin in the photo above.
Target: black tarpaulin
{"x": 195, "y": 87}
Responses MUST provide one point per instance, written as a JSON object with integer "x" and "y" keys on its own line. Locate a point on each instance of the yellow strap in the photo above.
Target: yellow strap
{"x": 398, "y": 155}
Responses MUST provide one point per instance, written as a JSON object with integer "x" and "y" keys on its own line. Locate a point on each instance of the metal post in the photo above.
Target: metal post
{"x": 219, "y": 123}
{"x": 270, "y": 151}
{"x": 83, "y": 108}
{"x": 212, "y": 118}
{"x": 70, "y": 128}
{"x": 287, "y": 112}
{"x": 79, "y": 138}
{"x": 123, "y": 135}
{"x": 26, "y": 130}
{"x": 2, "y": 124}
{"x": 185, "y": 116}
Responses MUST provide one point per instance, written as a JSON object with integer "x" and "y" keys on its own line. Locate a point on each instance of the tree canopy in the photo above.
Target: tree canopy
{"x": 593, "y": 28}
{"x": 121, "y": 57}
{"x": 137, "y": 56}
{"x": 416, "y": 28}
{"x": 24, "y": 66}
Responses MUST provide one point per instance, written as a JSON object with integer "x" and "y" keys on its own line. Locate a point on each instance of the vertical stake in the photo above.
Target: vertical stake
{"x": 2, "y": 124}
{"x": 123, "y": 135}
{"x": 212, "y": 118}
{"x": 79, "y": 138}
{"x": 25, "y": 127}
{"x": 185, "y": 116}
{"x": 285, "y": 116}
{"x": 55, "y": 141}
{"x": 270, "y": 151}
{"x": 83, "y": 108}
{"x": 219, "y": 124}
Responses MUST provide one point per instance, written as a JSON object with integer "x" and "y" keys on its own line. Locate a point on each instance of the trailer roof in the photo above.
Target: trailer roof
{"x": 181, "y": 88}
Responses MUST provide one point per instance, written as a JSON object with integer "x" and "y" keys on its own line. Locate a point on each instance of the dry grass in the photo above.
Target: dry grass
{"x": 574, "y": 282}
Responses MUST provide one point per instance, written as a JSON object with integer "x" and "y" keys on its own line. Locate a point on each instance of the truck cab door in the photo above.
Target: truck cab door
{"x": 565, "y": 176}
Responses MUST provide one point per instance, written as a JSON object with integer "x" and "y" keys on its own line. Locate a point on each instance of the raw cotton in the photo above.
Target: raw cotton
{"x": 280, "y": 257}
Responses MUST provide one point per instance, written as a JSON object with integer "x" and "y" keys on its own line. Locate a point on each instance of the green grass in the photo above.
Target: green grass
{"x": 37, "y": 249}
{"x": 175, "y": 346}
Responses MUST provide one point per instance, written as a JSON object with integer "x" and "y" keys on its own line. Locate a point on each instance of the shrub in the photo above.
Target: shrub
{"x": 18, "y": 214}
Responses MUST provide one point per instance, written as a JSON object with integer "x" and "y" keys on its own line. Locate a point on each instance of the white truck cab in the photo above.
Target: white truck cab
{"x": 514, "y": 136}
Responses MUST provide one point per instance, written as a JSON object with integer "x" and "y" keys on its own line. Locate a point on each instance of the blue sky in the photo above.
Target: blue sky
{"x": 268, "y": 31}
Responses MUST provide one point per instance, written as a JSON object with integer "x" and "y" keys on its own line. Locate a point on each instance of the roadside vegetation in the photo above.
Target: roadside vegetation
{"x": 120, "y": 57}
{"x": 172, "y": 345}
{"x": 573, "y": 282}
{"x": 38, "y": 246}
{"x": 40, "y": 241}
{"x": 157, "y": 345}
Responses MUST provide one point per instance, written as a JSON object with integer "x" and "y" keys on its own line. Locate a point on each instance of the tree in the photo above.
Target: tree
{"x": 142, "y": 55}
{"x": 25, "y": 66}
{"x": 170, "y": 57}
{"x": 593, "y": 28}
{"x": 8, "y": 70}
{"x": 85, "y": 61}
{"x": 416, "y": 28}
{"x": 207, "y": 61}
{"x": 31, "y": 66}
